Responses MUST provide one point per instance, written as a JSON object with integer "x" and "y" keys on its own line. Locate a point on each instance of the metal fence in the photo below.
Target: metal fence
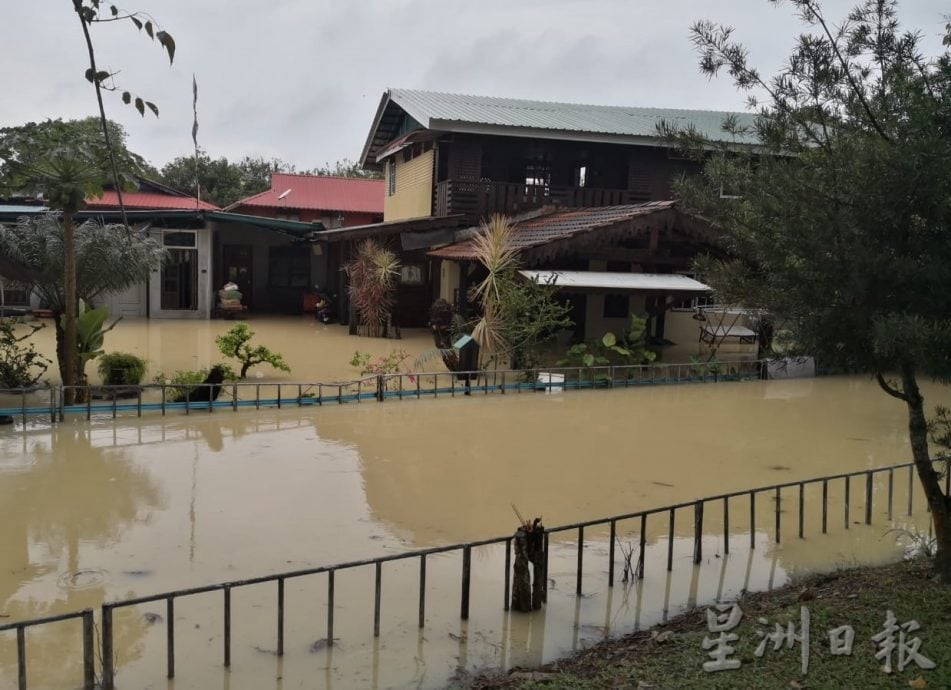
{"x": 744, "y": 499}
{"x": 115, "y": 400}
{"x": 88, "y": 640}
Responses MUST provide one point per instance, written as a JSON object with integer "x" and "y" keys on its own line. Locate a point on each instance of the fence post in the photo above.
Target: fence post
{"x": 330, "y": 608}
{"x": 280, "y": 616}
{"x": 825, "y": 505}
{"x": 848, "y": 490}
{"x": 376, "y": 599}
{"x": 580, "y": 561}
{"x": 508, "y": 572}
{"x": 752, "y": 519}
{"x": 802, "y": 506}
{"x": 726, "y": 524}
{"x": 89, "y": 650}
{"x": 670, "y": 539}
{"x": 891, "y": 490}
{"x": 778, "y": 500}
{"x": 170, "y": 636}
{"x": 227, "y": 640}
{"x": 612, "y": 539}
{"x": 642, "y": 553}
{"x": 911, "y": 486}
{"x": 108, "y": 670}
{"x": 868, "y": 498}
{"x": 466, "y": 580}
{"x": 21, "y": 658}
{"x": 422, "y": 591}
{"x": 697, "y": 531}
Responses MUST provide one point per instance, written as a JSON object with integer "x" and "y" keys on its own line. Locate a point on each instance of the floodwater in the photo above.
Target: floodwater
{"x": 314, "y": 351}
{"x": 107, "y": 510}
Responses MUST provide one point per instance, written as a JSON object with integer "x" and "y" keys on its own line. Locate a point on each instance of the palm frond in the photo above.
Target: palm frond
{"x": 495, "y": 249}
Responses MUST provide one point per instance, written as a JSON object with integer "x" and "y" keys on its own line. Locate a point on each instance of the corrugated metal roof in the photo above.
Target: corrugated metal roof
{"x": 27, "y": 209}
{"x": 319, "y": 192}
{"x": 620, "y": 282}
{"x": 435, "y": 110}
{"x": 560, "y": 225}
{"x": 148, "y": 200}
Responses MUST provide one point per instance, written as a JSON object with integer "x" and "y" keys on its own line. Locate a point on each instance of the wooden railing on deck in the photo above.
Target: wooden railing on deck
{"x": 483, "y": 198}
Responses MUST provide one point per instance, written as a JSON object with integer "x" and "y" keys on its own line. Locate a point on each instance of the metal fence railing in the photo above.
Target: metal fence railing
{"x": 744, "y": 499}
{"x": 50, "y": 402}
{"x": 88, "y": 641}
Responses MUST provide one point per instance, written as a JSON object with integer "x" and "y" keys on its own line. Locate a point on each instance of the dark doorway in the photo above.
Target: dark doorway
{"x": 180, "y": 280}
{"x": 578, "y": 303}
{"x": 236, "y": 262}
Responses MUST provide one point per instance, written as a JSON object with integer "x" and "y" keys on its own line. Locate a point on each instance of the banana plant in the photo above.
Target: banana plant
{"x": 90, "y": 334}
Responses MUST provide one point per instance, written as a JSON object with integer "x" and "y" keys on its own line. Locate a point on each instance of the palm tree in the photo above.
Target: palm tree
{"x": 68, "y": 263}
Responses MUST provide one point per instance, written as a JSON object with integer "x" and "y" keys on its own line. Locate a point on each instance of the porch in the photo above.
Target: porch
{"x": 483, "y": 198}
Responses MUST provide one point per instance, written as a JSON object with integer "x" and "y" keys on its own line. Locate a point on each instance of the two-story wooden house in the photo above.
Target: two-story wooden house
{"x": 577, "y": 179}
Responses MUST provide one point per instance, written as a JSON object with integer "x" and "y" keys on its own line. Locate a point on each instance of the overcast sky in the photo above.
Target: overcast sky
{"x": 301, "y": 79}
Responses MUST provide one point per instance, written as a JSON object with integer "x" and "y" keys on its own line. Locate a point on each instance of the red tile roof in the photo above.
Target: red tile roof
{"x": 319, "y": 192}
{"x": 148, "y": 200}
{"x": 560, "y": 225}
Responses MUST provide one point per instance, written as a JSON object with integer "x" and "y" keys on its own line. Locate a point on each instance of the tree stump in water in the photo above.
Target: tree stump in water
{"x": 529, "y": 587}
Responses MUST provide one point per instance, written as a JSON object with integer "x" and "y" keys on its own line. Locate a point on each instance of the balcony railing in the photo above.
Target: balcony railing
{"x": 483, "y": 198}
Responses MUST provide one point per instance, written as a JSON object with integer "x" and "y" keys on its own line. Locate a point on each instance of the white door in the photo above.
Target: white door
{"x": 129, "y": 304}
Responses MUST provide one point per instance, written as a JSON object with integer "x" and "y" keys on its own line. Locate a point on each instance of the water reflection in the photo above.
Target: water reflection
{"x": 61, "y": 498}
{"x": 438, "y": 471}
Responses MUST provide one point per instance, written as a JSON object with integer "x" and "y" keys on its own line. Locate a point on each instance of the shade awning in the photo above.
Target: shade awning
{"x": 619, "y": 282}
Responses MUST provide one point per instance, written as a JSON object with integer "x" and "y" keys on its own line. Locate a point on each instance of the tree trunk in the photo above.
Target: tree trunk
{"x": 522, "y": 579}
{"x": 529, "y": 585}
{"x": 67, "y": 359}
{"x": 536, "y": 554}
{"x": 939, "y": 504}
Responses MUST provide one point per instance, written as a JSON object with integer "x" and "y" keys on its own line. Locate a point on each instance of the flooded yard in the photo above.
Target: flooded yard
{"x": 314, "y": 351}
{"x": 104, "y": 510}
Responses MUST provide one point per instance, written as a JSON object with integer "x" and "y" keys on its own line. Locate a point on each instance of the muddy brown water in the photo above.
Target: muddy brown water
{"x": 103, "y": 510}
{"x": 314, "y": 351}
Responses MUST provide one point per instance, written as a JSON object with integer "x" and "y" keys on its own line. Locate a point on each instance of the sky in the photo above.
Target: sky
{"x": 300, "y": 80}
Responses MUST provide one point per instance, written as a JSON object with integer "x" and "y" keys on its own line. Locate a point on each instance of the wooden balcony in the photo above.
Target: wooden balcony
{"x": 485, "y": 198}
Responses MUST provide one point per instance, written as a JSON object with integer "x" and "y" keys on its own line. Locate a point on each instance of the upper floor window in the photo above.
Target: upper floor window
{"x": 538, "y": 174}
{"x": 581, "y": 176}
{"x": 179, "y": 238}
{"x": 391, "y": 178}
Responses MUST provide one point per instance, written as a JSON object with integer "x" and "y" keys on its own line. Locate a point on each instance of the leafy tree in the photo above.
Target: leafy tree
{"x": 108, "y": 259}
{"x": 347, "y": 168}
{"x": 221, "y": 181}
{"x": 25, "y": 148}
{"x": 841, "y": 212}
{"x": 224, "y": 182}
{"x": 236, "y": 343}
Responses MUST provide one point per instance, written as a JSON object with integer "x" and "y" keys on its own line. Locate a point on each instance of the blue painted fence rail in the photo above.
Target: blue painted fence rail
{"x": 50, "y": 401}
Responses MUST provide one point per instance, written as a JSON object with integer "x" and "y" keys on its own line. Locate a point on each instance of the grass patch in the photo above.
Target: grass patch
{"x": 672, "y": 655}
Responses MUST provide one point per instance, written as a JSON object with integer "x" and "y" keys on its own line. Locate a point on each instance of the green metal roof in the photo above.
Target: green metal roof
{"x": 451, "y": 112}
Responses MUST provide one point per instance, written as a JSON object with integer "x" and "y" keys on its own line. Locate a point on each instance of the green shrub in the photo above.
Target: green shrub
{"x": 121, "y": 369}
{"x": 20, "y": 366}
